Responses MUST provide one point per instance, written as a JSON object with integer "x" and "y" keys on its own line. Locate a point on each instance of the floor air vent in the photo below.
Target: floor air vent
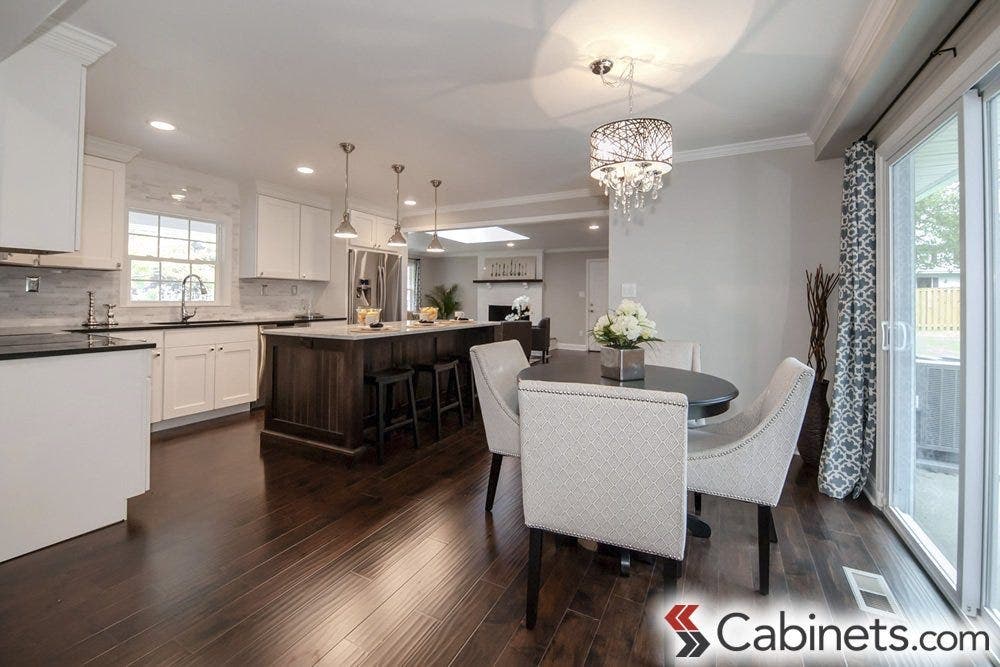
{"x": 872, "y": 593}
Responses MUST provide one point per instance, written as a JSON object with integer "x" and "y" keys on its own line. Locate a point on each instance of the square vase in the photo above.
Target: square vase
{"x": 623, "y": 365}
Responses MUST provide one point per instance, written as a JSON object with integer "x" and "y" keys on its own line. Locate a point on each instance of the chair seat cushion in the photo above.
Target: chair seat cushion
{"x": 702, "y": 442}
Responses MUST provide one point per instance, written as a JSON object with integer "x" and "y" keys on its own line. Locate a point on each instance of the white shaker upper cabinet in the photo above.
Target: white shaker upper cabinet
{"x": 364, "y": 223}
{"x": 314, "y": 243}
{"x": 102, "y": 219}
{"x": 42, "y": 99}
{"x": 277, "y": 239}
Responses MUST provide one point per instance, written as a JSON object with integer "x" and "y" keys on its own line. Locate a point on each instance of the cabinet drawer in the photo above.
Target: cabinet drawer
{"x": 154, "y": 336}
{"x": 209, "y": 336}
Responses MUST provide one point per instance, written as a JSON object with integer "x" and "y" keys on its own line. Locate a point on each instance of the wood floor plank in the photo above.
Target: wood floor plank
{"x": 617, "y": 630}
{"x": 571, "y": 642}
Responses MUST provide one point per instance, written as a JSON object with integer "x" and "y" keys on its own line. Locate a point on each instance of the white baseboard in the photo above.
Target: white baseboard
{"x": 199, "y": 417}
{"x": 578, "y": 347}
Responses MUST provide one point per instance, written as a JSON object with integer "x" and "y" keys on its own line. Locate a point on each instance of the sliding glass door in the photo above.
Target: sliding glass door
{"x": 991, "y": 578}
{"x": 923, "y": 340}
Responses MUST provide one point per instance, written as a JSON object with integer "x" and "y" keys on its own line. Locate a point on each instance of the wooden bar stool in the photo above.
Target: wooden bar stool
{"x": 465, "y": 367}
{"x": 384, "y": 382}
{"x": 437, "y": 407}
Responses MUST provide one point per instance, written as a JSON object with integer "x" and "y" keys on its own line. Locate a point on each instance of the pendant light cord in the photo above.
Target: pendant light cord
{"x": 626, "y": 77}
{"x": 347, "y": 179}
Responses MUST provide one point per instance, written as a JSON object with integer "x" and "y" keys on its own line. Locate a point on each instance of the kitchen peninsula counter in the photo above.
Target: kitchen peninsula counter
{"x": 318, "y": 400}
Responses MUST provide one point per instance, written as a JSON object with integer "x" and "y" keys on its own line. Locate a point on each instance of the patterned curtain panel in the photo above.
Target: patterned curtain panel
{"x": 850, "y": 438}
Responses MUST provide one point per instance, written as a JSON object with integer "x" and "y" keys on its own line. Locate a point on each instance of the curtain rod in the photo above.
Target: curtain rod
{"x": 938, "y": 50}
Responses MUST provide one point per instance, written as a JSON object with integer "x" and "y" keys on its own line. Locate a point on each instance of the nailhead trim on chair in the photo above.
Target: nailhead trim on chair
{"x": 611, "y": 398}
{"x": 603, "y": 541}
{"x": 486, "y": 379}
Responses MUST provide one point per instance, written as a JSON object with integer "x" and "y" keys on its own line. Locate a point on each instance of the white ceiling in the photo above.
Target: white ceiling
{"x": 541, "y": 236}
{"x": 495, "y": 98}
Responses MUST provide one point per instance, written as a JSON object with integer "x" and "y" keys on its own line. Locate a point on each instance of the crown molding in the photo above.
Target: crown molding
{"x": 593, "y": 248}
{"x": 111, "y": 150}
{"x": 579, "y": 193}
{"x": 742, "y": 148}
{"x": 82, "y": 45}
{"x": 867, "y": 40}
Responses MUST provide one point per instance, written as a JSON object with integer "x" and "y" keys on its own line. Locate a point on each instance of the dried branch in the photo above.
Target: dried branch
{"x": 819, "y": 287}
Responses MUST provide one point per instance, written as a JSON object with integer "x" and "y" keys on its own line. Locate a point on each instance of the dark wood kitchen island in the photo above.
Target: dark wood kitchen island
{"x": 318, "y": 400}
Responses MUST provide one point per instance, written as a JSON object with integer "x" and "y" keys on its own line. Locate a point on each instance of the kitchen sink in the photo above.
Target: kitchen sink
{"x": 193, "y": 322}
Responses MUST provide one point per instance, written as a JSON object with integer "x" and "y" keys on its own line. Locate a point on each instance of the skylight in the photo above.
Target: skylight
{"x": 480, "y": 235}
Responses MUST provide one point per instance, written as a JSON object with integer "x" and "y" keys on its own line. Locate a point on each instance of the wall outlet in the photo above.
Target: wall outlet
{"x": 628, "y": 289}
{"x": 295, "y": 289}
{"x": 582, "y": 294}
{"x": 31, "y": 283}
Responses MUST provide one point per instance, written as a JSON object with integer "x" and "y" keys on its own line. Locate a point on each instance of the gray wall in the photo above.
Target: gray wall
{"x": 565, "y": 294}
{"x": 448, "y": 271}
{"x": 721, "y": 257}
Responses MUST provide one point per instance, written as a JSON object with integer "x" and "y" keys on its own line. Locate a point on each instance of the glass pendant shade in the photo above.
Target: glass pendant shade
{"x": 435, "y": 244}
{"x": 397, "y": 240}
{"x": 629, "y": 158}
{"x": 345, "y": 230}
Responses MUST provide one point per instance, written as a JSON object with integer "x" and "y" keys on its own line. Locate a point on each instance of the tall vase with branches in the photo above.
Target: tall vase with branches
{"x": 819, "y": 288}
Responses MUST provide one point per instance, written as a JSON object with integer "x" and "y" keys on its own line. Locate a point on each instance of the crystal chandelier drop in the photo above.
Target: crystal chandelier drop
{"x": 435, "y": 244}
{"x": 397, "y": 240}
{"x": 629, "y": 157}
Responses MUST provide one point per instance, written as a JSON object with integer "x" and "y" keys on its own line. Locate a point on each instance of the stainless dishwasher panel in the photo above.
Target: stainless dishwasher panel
{"x": 264, "y": 362}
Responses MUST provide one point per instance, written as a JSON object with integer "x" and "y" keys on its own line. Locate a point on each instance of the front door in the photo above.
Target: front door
{"x": 597, "y": 296}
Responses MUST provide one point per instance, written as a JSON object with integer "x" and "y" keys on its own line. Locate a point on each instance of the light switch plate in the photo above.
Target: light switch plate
{"x": 31, "y": 283}
{"x": 628, "y": 289}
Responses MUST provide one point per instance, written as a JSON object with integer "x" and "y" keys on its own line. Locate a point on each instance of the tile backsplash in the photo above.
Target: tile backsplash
{"x": 62, "y": 296}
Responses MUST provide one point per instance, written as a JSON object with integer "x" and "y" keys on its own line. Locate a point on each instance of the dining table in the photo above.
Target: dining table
{"x": 708, "y": 395}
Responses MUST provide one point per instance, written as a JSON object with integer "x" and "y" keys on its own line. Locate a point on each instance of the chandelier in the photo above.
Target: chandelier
{"x": 629, "y": 157}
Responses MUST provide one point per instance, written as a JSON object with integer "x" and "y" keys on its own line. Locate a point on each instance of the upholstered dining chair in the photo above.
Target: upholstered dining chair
{"x": 584, "y": 474}
{"x": 495, "y": 367}
{"x": 747, "y": 457}
{"x": 541, "y": 340}
{"x": 674, "y": 354}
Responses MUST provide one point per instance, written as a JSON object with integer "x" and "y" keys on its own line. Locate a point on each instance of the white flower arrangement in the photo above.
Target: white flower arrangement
{"x": 519, "y": 308}
{"x": 625, "y": 328}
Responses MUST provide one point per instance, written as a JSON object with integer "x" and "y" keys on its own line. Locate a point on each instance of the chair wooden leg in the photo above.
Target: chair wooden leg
{"x": 764, "y": 521}
{"x": 534, "y": 576}
{"x": 672, "y": 570}
{"x": 380, "y": 416}
{"x": 625, "y": 565}
{"x": 491, "y": 490}
{"x": 458, "y": 393}
{"x": 413, "y": 412}
{"x": 774, "y": 532}
{"x": 697, "y": 503}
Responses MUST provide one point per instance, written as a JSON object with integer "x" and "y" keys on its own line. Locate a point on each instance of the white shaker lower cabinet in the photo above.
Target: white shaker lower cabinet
{"x": 156, "y": 376}
{"x": 235, "y": 374}
{"x": 188, "y": 380}
{"x": 208, "y": 368}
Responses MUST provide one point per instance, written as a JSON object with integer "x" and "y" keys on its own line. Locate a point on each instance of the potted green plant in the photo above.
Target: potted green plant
{"x": 620, "y": 334}
{"x": 819, "y": 288}
{"x": 445, "y": 299}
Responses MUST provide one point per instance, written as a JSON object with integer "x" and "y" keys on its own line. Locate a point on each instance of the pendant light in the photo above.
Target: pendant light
{"x": 397, "y": 240}
{"x": 435, "y": 244}
{"x": 629, "y": 157}
{"x": 345, "y": 230}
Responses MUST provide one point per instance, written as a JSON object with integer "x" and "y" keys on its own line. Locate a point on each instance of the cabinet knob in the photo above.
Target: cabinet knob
{"x": 220, "y": 348}
{"x": 261, "y": 273}
{"x": 156, "y": 354}
{"x": 211, "y": 349}
{"x": 118, "y": 265}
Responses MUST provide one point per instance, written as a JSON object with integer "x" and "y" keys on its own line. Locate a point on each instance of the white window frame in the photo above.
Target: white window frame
{"x": 223, "y": 263}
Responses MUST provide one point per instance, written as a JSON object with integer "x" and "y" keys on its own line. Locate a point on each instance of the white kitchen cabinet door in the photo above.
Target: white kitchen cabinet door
{"x": 188, "y": 380}
{"x": 384, "y": 229}
{"x": 102, "y": 219}
{"x": 314, "y": 243}
{"x": 156, "y": 394}
{"x": 364, "y": 223}
{"x": 235, "y": 374}
{"x": 41, "y": 104}
{"x": 277, "y": 238}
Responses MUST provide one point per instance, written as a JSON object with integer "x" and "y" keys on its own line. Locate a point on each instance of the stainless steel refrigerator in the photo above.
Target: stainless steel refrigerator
{"x": 375, "y": 281}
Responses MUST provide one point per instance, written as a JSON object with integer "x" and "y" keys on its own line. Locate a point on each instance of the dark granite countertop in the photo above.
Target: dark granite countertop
{"x": 147, "y": 326}
{"x": 29, "y": 345}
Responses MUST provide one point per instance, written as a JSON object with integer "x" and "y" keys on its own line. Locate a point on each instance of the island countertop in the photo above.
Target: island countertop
{"x": 344, "y": 331}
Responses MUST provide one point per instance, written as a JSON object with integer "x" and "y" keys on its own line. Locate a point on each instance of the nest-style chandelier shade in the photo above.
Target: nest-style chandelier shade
{"x": 629, "y": 157}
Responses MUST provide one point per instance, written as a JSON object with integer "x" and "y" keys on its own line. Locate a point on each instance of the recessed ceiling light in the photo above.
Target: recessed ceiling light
{"x": 180, "y": 195}
{"x": 410, "y": 202}
{"x": 594, "y": 226}
{"x": 510, "y": 244}
{"x": 305, "y": 170}
{"x": 481, "y": 235}
{"x": 162, "y": 125}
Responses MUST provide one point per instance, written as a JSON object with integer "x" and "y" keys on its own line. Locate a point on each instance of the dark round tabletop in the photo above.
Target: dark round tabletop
{"x": 707, "y": 395}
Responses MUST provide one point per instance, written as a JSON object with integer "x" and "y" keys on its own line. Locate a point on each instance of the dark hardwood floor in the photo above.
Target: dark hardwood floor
{"x": 237, "y": 556}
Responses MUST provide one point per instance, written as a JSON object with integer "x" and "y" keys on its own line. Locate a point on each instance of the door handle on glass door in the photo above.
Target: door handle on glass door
{"x": 904, "y": 337}
{"x": 885, "y": 334}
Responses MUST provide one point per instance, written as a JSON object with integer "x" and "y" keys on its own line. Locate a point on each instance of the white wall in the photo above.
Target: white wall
{"x": 450, "y": 271}
{"x": 721, "y": 257}
{"x": 566, "y": 294}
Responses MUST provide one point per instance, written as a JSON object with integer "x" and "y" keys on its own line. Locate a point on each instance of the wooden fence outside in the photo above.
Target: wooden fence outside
{"x": 939, "y": 308}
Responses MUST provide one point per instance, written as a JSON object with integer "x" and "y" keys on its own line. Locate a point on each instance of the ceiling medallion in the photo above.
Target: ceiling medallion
{"x": 629, "y": 157}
